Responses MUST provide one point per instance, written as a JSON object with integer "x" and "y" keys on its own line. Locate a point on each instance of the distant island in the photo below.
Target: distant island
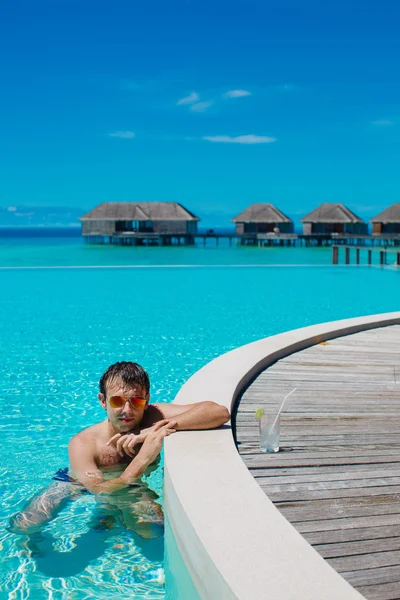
{"x": 23, "y": 216}
{"x": 40, "y": 216}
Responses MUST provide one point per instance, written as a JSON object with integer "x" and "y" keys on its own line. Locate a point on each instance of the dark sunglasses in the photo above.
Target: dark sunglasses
{"x": 135, "y": 401}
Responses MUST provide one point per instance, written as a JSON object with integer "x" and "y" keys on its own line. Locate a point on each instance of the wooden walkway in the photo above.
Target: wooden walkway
{"x": 337, "y": 476}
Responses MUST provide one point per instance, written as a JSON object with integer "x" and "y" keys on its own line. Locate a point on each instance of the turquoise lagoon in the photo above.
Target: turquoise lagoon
{"x": 27, "y": 248}
{"x": 62, "y": 327}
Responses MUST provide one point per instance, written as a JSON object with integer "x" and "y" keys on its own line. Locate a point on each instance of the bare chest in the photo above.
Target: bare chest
{"x": 107, "y": 456}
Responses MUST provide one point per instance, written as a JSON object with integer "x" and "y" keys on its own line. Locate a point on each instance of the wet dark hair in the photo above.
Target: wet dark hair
{"x": 129, "y": 372}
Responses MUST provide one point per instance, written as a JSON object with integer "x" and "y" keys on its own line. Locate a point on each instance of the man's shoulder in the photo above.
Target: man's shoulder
{"x": 152, "y": 414}
{"x": 87, "y": 436}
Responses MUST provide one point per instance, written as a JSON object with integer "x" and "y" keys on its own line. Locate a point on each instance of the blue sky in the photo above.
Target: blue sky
{"x": 212, "y": 104}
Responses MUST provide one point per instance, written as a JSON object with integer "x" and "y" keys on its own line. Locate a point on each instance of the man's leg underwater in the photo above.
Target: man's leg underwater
{"x": 44, "y": 507}
{"x": 146, "y": 518}
{"x": 141, "y": 514}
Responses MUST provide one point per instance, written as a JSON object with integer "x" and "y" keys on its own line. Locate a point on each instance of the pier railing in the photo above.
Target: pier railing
{"x": 355, "y": 251}
{"x": 138, "y": 238}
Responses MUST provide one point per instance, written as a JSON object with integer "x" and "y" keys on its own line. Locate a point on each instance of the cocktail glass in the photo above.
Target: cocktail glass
{"x": 270, "y": 426}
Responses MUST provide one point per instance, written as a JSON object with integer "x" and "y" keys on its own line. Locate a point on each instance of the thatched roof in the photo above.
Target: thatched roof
{"x": 331, "y": 213}
{"x": 139, "y": 211}
{"x": 261, "y": 213}
{"x": 389, "y": 215}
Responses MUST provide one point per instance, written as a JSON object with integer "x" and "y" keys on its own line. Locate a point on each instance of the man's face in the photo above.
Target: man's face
{"x": 126, "y": 417}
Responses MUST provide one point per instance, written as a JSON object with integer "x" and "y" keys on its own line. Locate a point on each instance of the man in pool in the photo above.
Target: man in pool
{"x": 108, "y": 459}
{"x": 131, "y": 438}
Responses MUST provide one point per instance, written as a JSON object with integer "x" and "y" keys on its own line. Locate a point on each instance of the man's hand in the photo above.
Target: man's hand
{"x": 152, "y": 445}
{"x": 126, "y": 443}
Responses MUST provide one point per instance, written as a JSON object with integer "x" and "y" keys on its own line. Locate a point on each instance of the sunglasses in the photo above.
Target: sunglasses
{"x": 135, "y": 401}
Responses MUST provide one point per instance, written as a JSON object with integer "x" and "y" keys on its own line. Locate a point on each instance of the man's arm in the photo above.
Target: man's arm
{"x": 85, "y": 470}
{"x": 81, "y": 456}
{"x": 202, "y": 415}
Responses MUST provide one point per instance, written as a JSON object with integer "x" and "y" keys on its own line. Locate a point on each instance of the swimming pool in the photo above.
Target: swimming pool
{"x": 62, "y": 328}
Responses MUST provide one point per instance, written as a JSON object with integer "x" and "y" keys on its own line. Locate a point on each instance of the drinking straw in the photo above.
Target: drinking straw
{"x": 281, "y": 408}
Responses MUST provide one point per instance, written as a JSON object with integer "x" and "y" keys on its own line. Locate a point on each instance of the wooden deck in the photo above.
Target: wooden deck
{"x": 137, "y": 238}
{"x": 348, "y": 251}
{"x": 337, "y": 476}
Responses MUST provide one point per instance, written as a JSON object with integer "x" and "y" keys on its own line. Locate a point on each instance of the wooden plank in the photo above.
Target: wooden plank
{"x": 268, "y": 462}
{"x": 317, "y": 443}
{"x": 309, "y": 440}
{"x": 311, "y": 426}
{"x": 373, "y": 576}
{"x": 315, "y": 420}
{"x": 348, "y": 548}
{"x": 276, "y": 487}
{"x": 288, "y": 496}
{"x": 321, "y": 452}
{"x": 351, "y": 535}
{"x": 373, "y": 407}
{"x": 365, "y": 561}
{"x": 384, "y": 591}
{"x": 332, "y": 509}
{"x": 384, "y": 475}
{"x": 351, "y": 470}
{"x": 347, "y": 523}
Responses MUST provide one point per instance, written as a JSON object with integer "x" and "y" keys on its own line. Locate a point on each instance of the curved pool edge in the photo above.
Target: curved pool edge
{"x": 232, "y": 540}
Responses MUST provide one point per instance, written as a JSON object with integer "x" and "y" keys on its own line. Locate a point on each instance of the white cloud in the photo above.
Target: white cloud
{"x": 126, "y": 135}
{"x": 201, "y": 106}
{"x": 383, "y": 123}
{"x": 237, "y": 94}
{"x": 191, "y": 99}
{"x": 240, "y": 139}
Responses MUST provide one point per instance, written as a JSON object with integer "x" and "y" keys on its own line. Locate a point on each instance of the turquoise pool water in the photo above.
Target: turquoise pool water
{"x": 62, "y": 327}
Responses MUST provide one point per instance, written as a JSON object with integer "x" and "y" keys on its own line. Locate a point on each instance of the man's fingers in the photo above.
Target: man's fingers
{"x": 169, "y": 428}
{"x": 164, "y": 433}
{"x": 160, "y": 424}
{"x": 125, "y": 445}
{"x": 128, "y": 446}
{"x": 119, "y": 445}
{"x": 113, "y": 439}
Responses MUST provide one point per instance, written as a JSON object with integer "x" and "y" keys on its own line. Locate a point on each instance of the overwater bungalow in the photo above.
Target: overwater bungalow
{"x": 388, "y": 221}
{"x": 262, "y": 218}
{"x": 134, "y": 221}
{"x": 334, "y": 218}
